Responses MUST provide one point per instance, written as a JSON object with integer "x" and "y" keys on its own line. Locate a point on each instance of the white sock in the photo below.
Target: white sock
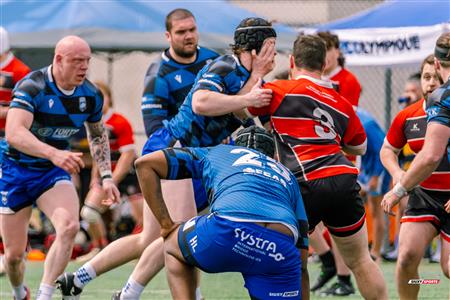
{"x": 45, "y": 292}
{"x": 84, "y": 275}
{"x": 19, "y": 291}
{"x": 132, "y": 290}
{"x": 198, "y": 294}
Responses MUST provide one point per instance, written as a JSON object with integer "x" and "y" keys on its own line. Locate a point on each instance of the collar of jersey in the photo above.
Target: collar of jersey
{"x": 320, "y": 82}
{"x": 50, "y": 78}
{"x": 332, "y": 73}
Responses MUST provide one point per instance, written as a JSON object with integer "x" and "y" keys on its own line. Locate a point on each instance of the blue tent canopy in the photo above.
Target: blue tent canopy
{"x": 115, "y": 24}
{"x": 396, "y": 13}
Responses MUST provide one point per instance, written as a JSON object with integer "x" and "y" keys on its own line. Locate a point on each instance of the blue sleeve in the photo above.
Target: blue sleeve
{"x": 375, "y": 139}
{"x": 155, "y": 99}
{"x": 212, "y": 77}
{"x": 438, "y": 105}
{"x": 97, "y": 114}
{"x": 184, "y": 163}
{"x": 24, "y": 95}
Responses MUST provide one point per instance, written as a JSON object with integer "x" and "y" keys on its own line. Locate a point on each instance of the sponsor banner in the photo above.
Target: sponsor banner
{"x": 387, "y": 46}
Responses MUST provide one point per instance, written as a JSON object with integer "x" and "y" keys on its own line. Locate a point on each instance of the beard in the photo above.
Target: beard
{"x": 182, "y": 52}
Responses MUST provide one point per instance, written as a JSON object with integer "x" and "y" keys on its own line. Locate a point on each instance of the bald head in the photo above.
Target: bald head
{"x": 71, "y": 61}
{"x": 70, "y": 44}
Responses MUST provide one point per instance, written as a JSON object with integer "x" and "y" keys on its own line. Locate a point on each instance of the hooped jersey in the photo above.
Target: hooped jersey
{"x": 11, "y": 71}
{"x": 312, "y": 122}
{"x": 56, "y": 115}
{"x": 409, "y": 127}
{"x": 346, "y": 84}
{"x": 223, "y": 75}
{"x": 166, "y": 85}
{"x": 120, "y": 134}
{"x": 438, "y": 108}
{"x": 242, "y": 184}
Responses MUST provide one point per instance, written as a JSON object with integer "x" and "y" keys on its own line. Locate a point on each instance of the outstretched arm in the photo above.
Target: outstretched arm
{"x": 99, "y": 145}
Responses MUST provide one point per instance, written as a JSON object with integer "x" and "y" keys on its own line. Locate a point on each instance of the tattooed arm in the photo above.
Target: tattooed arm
{"x": 99, "y": 145}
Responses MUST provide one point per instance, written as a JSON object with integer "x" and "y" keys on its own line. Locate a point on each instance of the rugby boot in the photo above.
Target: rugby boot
{"x": 325, "y": 275}
{"x": 69, "y": 290}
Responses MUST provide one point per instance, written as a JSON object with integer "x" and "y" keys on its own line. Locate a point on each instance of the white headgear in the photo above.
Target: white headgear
{"x": 4, "y": 41}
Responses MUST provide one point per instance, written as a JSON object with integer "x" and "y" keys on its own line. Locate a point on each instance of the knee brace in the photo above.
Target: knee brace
{"x": 90, "y": 214}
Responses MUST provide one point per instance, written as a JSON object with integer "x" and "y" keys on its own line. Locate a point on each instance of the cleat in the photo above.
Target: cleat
{"x": 68, "y": 289}
{"x": 27, "y": 296}
{"x": 116, "y": 295}
{"x": 325, "y": 275}
{"x": 339, "y": 288}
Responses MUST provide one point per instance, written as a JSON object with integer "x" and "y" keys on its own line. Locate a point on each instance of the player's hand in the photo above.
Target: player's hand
{"x": 264, "y": 62}
{"x": 111, "y": 192}
{"x": 447, "y": 206}
{"x": 258, "y": 97}
{"x": 167, "y": 230}
{"x": 389, "y": 201}
{"x": 70, "y": 162}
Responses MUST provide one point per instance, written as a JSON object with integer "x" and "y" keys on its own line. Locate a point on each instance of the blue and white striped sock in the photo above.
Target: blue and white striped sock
{"x": 84, "y": 275}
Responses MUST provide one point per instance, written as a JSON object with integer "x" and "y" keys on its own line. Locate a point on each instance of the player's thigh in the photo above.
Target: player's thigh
{"x": 61, "y": 205}
{"x": 414, "y": 237}
{"x": 179, "y": 198}
{"x": 353, "y": 247}
{"x": 14, "y": 228}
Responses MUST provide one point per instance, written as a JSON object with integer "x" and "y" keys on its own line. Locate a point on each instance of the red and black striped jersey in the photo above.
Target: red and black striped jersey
{"x": 120, "y": 134}
{"x": 311, "y": 122}
{"x": 409, "y": 127}
{"x": 346, "y": 84}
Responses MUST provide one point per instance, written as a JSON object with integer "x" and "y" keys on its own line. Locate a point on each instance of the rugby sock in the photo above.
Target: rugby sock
{"x": 327, "y": 259}
{"x": 132, "y": 290}
{"x": 84, "y": 275}
{"x": 45, "y": 292}
{"x": 344, "y": 279}
{"x": 19, "y": 291}
{"x": 198, "y": 294}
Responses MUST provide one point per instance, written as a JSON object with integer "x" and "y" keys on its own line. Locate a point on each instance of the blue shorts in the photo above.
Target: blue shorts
{"x": 384, "y": 182}
{"x": 268, "y": 260}
{"x": 21, "y": 187}
{"x": 162, "y": 139}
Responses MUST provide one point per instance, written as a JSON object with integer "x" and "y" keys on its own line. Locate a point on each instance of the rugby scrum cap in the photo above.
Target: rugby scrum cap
{"x": 257, "y": 138}
{"x": 4, "y": 41}
{"x": 251, "y": 33}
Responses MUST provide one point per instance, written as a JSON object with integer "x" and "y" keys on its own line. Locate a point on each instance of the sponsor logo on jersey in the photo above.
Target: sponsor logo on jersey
{"x": 83, "y": 104}
{"x": 50, "y": 103}
{"x": 178, "y": 78}
{"x": 415, "y": 127}
{"x": 58, "y": 133}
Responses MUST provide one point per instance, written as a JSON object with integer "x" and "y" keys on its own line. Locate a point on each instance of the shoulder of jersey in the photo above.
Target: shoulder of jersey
{"x": 91, "y": 88}
{"x": 33, "y": 83}
{"x": 205, "y": 53}
{"x": 439, "y": 94}
{"x": 222, "y": 65}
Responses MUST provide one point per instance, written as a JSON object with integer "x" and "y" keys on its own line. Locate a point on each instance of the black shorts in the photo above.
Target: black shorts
{"x": 428, "y": 206}
{"x": 335, "y": 200}
{"x": 130, "y": 184}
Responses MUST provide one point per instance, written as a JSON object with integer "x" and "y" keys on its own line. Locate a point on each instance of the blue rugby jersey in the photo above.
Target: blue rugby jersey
{"x": 224, "y": 75}
{"x": 370, "y": 162}
{"x": 56, "y": 115}
{"x": 438, "y": 108}
{"x": 243, "y": 184}
{"x": 166, "y": 85}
